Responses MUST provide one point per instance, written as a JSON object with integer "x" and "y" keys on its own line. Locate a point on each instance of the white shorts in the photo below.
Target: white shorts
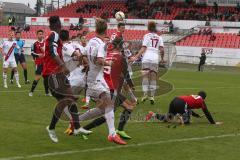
{"x": 9, "y": 64}
{"x": 77, "y": 78}
{"x": 95, "y": 89}
{"x": 150, "y": 65}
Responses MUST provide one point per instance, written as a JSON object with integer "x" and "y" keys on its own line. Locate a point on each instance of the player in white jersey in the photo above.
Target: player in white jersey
{"x": 73, "y": 59}
{"x": 81, "y": 45}
{"x": 97, "y": 87}
{"x": 7, "y": 49}
{"x": 152, "y": 45}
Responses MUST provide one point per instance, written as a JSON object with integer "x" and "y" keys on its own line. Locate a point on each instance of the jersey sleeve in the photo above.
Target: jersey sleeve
{"x": 145, "y": 41}
{"x": 33, "y": 52}
{"x": 53, "y": 42}
{"x": 68, "y": 50}
{"x": 101, "y": 51}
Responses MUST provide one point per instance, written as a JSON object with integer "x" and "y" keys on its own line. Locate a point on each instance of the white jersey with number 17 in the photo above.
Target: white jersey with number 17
{"x": 153, "y": 42}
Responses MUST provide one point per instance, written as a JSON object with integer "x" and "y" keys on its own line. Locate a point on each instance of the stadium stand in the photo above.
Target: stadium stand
{"x": 129, "y": 34}
{"x": 89, "y": 9}
{"x": 157, "y": 10}
{"x": 223, "y": 40}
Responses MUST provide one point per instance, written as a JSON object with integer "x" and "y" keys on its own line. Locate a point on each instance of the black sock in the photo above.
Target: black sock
{"x": 95, "y": 123}
{"x": 45, "y": 83}
{"x": 74, "y": 113}
{"x": 34, "y": 85}
{"x": 160, "y": 117}
{"x": 25, "y": 74}
{"x": 56, "y": 115}
{"x": 123, "y": 119}
{"x": 12, "y": 74}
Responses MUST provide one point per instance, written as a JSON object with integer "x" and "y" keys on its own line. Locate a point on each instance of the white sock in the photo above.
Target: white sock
{"x": 16, "y": 75}
{"x": 153, "y": 87}
{"x": 145, "y": 85}
{"x": 4, "y": 78}
{"x": 87, "y": 99}
{"x": 109, "y": 115}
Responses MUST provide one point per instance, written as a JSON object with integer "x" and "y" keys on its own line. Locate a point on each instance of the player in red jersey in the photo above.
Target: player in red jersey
{"x": 55, "y": 72}
{"x": 183, "y": 106}
{"x": 37, "y": 52}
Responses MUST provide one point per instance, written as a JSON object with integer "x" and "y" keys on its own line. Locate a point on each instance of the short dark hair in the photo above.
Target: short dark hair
{"x": 203, "y": 94}
{"x": 118, "y": 42}
{"x": 17, "y": 32}
{"x": 101, "y": 26}
{"x": 54, "y": 21}
{"x": 40, "y": 31}
{"x": 64, "y": 35}
{"x": 152, "y": 27}
{"x": 120, "y": 24}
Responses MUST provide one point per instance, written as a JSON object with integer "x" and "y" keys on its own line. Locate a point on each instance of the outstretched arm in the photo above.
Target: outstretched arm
{"x": 208, "y": 115}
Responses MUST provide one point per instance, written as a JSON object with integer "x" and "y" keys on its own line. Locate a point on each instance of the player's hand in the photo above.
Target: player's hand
{"x": 218, "y": 123}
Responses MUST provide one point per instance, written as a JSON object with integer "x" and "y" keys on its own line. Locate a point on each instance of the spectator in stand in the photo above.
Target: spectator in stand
{"x": 13, "y": 21}
{"x": 212, "y": 37}
{"x": 10, "y": 21}
{"x": 238, "y": 7}
{"x": 171, "y": 27}
{"x": 215, "y": 6}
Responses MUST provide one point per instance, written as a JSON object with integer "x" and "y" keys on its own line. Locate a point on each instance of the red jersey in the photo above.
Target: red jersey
{"x": 36, "y": 50}
{"x": 194, "y": 101}
{"x": 113, "y": 74}
{"x": 117, "y": 34}
{"x": 53, "y": 47}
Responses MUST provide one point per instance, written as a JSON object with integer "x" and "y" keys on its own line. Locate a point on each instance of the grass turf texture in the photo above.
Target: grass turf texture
{"x": 23, "y": 121}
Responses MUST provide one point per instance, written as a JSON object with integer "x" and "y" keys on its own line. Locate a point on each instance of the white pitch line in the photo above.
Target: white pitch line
{"x": 118, "y": 147}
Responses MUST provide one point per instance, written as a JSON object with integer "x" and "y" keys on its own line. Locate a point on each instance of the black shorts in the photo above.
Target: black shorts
{"x": 179, "y": 106}
{"x": 38, "y": 69}
{"x": 59, "y": 86}
{"x": 20, "y": 58}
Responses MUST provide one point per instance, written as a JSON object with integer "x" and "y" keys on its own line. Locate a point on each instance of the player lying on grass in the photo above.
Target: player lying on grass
{"x": 183, "y": 107}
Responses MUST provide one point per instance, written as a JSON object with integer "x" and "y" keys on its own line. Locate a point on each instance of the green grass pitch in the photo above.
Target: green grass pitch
{"x": 23, "y": 121}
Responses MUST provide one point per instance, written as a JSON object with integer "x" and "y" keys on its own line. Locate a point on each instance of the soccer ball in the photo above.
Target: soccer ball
{"x": 120, "y": 16}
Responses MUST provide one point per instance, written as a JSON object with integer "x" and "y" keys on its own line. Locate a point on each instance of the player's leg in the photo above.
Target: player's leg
{"x": 128, "y": 108}
{"x": 153, "y": 85}
{"x": 130, "y": 92}
{"x": 46, "y": 86}
{"x": 12, "y": 71}
{"x": 13, "y": 65}
{"x": 63, "y": 93}
{"x": 145, "y": 84}
{"x": 38, "y": 73}
{"x": 24, "y": 67}
{"x": 5, "y": 68}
